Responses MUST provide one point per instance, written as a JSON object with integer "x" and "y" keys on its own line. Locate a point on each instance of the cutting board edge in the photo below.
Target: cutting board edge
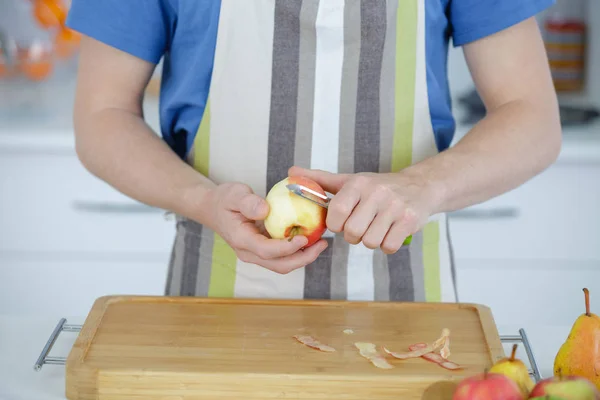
{"x": 490, "y": 330}
{"x": 76, "y": 371}
{"x": 199, "y": 383}
{"x": 104, "y": 301}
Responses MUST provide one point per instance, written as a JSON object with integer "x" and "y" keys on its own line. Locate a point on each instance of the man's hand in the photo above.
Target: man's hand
{"x": 379, "y": 210}
{"x": 236, "y": 214}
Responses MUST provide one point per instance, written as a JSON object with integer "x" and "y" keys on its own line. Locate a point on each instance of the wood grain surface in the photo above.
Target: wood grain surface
{"x": 139, "y": 347}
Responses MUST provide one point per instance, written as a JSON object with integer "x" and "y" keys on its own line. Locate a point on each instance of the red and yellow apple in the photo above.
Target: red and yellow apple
{"x": 291, "y": 215}
{"x": 567, "y": 388}
{"x": 487, "y": 386}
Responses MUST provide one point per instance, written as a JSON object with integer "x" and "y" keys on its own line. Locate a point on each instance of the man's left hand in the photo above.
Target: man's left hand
{"x": 378, "y": 209}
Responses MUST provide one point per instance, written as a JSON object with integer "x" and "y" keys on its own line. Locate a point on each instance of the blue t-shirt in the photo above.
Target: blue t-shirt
{"x": 185, "y": 32}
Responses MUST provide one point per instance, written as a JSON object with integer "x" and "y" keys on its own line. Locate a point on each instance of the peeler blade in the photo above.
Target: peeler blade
{"x": 309, "y": 194}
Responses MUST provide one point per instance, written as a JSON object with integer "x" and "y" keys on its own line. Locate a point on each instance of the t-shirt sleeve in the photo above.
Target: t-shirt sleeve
{"x": 138, "y": 27}
{"x": 471, "y": 20}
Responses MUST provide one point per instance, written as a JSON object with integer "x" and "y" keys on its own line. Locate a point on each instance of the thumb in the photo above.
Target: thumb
{"x": 253, "y": 207}
{"x": 330, "y": 182}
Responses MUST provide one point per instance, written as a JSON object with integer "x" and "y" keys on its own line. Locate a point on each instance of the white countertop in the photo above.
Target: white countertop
{"x": 580, "y": 144}
{"x": 22, "y": 339}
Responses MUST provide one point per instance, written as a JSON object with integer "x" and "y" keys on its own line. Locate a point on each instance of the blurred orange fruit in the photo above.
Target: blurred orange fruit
{"x": 3, "y": 68}
{"x": 35, "y": 62}
{"x": 50, "y": 13}
{"x": 66, "y": 42}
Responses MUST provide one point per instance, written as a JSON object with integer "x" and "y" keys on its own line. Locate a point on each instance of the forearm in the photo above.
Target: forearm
{"x": 509, "y": 146}
{"x": 120, "y": 148}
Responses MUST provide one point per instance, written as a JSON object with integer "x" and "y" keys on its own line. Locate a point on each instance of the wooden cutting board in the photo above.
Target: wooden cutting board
{"x": 187, "y": 348}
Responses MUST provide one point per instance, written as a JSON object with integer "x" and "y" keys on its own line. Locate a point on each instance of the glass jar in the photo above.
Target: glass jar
{"x": 565, "y": 39}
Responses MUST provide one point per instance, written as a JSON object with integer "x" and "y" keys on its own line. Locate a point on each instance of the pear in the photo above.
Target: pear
{"x": 579, "y": 355}
{"x": 516, "y": 370}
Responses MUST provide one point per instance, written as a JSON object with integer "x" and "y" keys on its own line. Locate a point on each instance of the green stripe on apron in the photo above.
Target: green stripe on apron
{"x": 406, "y": 61}
{"x": 202, "y": 143}
{"x": 431, "y": 261}
{"x": 222, "y": 278}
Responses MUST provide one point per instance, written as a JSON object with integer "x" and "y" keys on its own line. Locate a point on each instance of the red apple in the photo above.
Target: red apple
{"x": 566, "y": 387}
{"x": 291, "y": 215}
{"x": 487, "y": 386}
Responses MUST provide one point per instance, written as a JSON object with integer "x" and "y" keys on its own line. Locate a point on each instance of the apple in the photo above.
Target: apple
{"x": 487, "y": 386}
{"x": 567, "y": 387}
{"x": 291, "y": 215}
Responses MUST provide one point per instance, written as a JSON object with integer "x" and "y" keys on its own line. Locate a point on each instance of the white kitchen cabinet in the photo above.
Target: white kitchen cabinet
{"x": 67, "y": 238}
{"x": 554, "y": 216}
{"x": 530, "y": 292}
{"x": 529, "y": 253}
{"x": 50, "y": 203}
{"x": 64, "y": 284}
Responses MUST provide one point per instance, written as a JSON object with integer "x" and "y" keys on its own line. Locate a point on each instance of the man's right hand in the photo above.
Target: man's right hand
{"x": 236, "y": 209}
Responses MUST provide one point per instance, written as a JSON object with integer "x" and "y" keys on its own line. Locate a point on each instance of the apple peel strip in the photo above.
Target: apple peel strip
{"x": 369, "y": 351}
{"x": 445, "y": 351}
{"x": 313, "y": 343}
{"x": 421, "y": 351}
{"x": 436, "y": 358}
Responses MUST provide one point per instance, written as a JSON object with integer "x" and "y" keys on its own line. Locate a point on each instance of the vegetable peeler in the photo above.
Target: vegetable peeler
{"x": 309, "y": 194}
{"x": 320, "y": 199}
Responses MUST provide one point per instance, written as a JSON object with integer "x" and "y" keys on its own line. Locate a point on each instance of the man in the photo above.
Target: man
{"x": 353, "y": 94}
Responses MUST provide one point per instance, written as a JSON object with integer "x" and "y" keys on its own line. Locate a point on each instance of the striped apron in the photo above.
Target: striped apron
{"x": 338, "y": 85}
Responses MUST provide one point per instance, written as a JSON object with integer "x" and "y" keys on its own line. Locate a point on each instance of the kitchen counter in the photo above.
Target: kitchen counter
{"x": 22, "y": 339}
{"x": 581, "y": 144}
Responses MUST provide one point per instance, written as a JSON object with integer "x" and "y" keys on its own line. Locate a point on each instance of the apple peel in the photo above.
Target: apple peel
{"x": 313, "y": 343}
{"x": 369, "y": 351}
{"x": 445, "y": 351}
{"x": 436, "y": 358}
{"x": 418, "y": 352}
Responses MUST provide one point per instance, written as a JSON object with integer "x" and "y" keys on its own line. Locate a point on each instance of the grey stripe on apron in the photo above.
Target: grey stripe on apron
{"x": 173, "y": 286}
{"x": 386, "y": 138}
{"x": 170, "y": 269}
{"x": 387, "y": 93}
{"x": 284, "y": 90}
{"x": 189, "y": 269}
{"x": 204, "y": 262}
{"x": 401, "y": 280}
{"x": 349, "y": 88}
{"x": 339, "y": 275}
{"x": 366, "y": 141}
{"x": 348, "y": 95}
{"x": 452, "y": 259}
{"x": 306, "y": 83}
{"x": 417, "y": 267}
{"x": 317, "y": 276}
{"x": 382, "y": 277}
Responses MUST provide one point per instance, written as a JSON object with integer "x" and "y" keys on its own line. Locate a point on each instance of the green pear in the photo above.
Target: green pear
{"x": 516, "y": 370}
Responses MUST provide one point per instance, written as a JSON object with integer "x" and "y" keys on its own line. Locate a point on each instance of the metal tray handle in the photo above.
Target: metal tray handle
{"x": 62, "y": 326}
